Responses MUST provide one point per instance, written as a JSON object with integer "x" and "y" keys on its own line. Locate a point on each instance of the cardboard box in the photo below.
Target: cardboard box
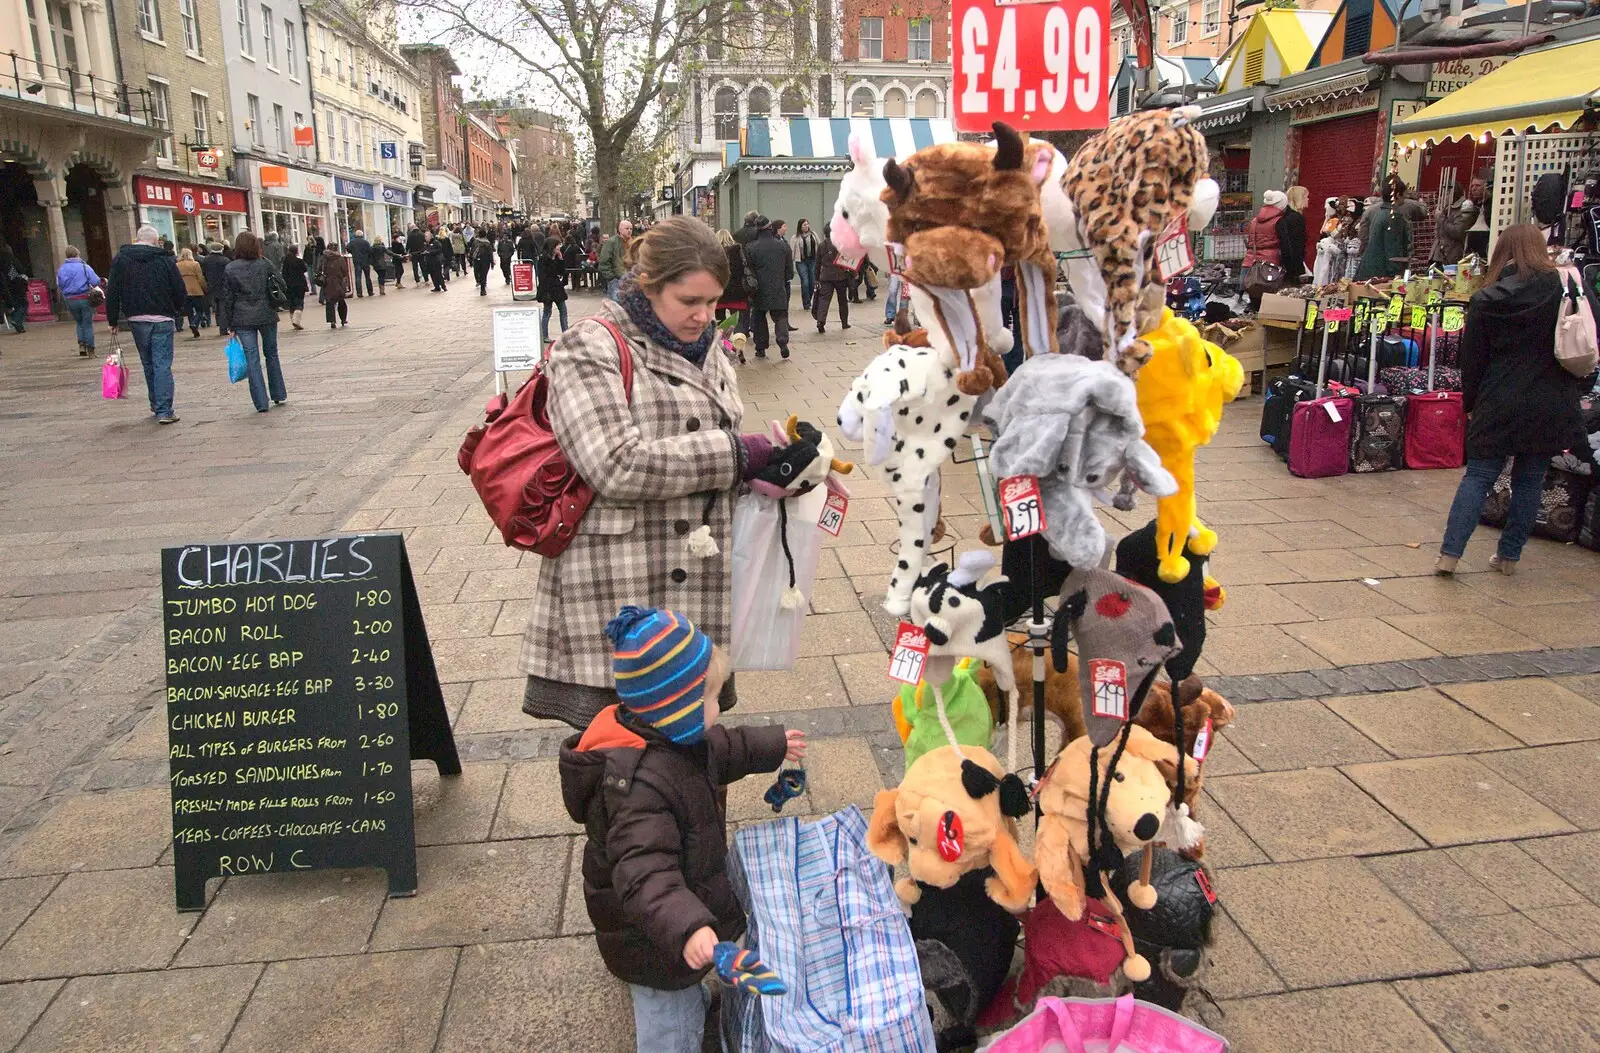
{"x": 1283, "y": 308}
{"x": 1248, "y": 348}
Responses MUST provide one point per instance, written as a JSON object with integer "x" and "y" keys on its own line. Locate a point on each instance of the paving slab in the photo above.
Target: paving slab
{"x": 531, "y": 804}
{"x": 1552, "y": 624}
{"x": 370, "y": 1003}
{"x": 830, "y": 634}
{"x": 1237, "y": 968}
{"x": 574, "y": 911}
{"x": 1357, "y": 1019}
{"x": 176, "y": 1011}
{"x": 1240, "y": 649}
{"x": 1354, "y": 641}
{"x": 136, "y": 926}
{"x": 1332, "y": 600}
{"x": 477, "y": 893}
{"x": 1536, "y": 710}
{"x": 1530, "y": 1010}
{"x": 1298, "y": 734}
{"x": 494, "y": 706}
{"x": 1436, "y": 886}
{"x": 1455, "y": 800}
{"x": 1577, "y": 924}
{"x": 19, "y": 897}
{"x": 267, "y": 917}
{"x": 1559, "y": 777}
{"x": 1514, "y": 875}
{"x": 1460, "y": 632}
{"x": 1294, "y": 912}
{"x": 1309, "y": 814}
{"x": 865, "y": 676}
{"x": 1501, "y": 941}
{"x": 98, "y": 831}
{"x": 21, "y": 1004}
{"x": 1226, "y": 844}
{"x": 528, "y": 997}
{"x": 1257, "y": 605}
{"x": 1419, "y": 723}
{"x": 842, "y": 771}
{"x": 451, "y": 809}
{"x": 813, "y": 683}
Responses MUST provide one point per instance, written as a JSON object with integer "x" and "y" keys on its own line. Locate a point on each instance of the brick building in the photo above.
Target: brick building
{"x": 545, "y": 156}
{"x": 488, "y": 169}
{"x": 894, "y": 59}
{"x": 174, "y": 48}
{"x": 444, "y": 151}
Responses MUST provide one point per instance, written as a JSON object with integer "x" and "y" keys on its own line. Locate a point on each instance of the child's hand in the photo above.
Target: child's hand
{"x": 797, "y": 745}
{"x": 697, "y": 952}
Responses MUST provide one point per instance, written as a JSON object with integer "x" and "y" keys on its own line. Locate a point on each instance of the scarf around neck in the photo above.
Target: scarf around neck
{"x": 637, "y": 305}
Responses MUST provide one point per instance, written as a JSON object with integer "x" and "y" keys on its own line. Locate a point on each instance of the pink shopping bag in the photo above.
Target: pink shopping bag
{"x": 113, "y": 377}
{"x": 1106, "y": 1025}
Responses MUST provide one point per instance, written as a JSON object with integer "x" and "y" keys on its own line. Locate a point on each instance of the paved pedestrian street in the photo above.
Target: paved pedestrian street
{"x": 1401, "y": 821}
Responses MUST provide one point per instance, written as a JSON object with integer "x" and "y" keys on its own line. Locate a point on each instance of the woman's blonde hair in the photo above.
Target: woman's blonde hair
{"x": 725, "y": 239}
{"x": 1523, "y": 245}
{"x": 1299, "y": 197}
{"x": 185, "y": 254}
{"x": 674, "y": 249}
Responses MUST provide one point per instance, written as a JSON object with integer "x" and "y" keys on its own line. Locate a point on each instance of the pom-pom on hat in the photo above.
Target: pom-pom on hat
{"x": 660, "y": 665}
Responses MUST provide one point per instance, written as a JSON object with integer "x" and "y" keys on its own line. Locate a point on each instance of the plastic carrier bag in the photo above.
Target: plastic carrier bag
{"x": 775, "y": 549}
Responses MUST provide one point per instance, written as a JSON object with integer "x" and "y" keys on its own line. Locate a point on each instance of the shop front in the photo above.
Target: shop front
{"x": 190, "y": 213}
{"x": 422, "y": 204}
{"x": 353, "y": 206}
{"x": 292, "y": 202}
{"x": 1335, "y": 141}
{"x": 394, "y": 212}
{"x": 447, "y": 206}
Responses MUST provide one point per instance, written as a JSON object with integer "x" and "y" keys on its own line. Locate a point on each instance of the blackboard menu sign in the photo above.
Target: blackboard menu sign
{"x": 300, "y": 685}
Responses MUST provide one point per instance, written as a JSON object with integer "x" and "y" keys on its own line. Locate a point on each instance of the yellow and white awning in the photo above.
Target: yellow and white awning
{"x": 1535, "y": 92}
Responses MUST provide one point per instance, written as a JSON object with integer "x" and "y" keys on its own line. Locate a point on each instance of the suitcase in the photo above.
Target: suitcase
{"x": 1589, "y": 522}
{"x": 1395, "y": 351}
{"x": 1436, "y": 430}
{"x": 1561, "y": 505}
{"x": 1282, "y": 394}
{"x": 1319, "y": 442}
{"x": 1406, "y": 380}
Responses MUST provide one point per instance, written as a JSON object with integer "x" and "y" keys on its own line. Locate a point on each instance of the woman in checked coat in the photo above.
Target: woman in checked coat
{"x": 664, "y": 469}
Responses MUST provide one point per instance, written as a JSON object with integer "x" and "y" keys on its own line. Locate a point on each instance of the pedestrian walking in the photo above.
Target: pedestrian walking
{"x": 334, "y": 276}
{"x": 296, "y": 284}
{"x": 1292, "y": 234}
{"x": 506, "y": 248}
{"x": 416, "y": 245}
{"x": 271, "y": 249}
{"x": 612, "y": 263}
{"x": 194, "y": 283}
{"x": 380, "y": 265}
{"x": 397, "y": 256}
{"x": 254, "y": 290}
{"x": 749, "y": 230}
{"x": 551, "y": 270}
{"x": 482, "y": 252}
{"x": 360, "y": 253}
{"x": 145, "y": 292}
{"x": 804, "y": 247}
{"x": 78, "y": 284}
{"x": 1520, "y": 402}
{"x": 316, "y": 268}
{"x": 772, "y": 261}
{"x": 458, "y": 251}
{"x": 437, "y": 253}
{"x": 736, "y": 297}
{"x": 213, "y": 265}
{"x": 528, "y": 246}
{"x": 14, "y": 284}
{"x": 833, "y": 279}
{"x": 580, "y": 271}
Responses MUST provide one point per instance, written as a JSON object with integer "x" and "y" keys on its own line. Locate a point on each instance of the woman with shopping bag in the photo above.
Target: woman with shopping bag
{"x": 663, "y": 452}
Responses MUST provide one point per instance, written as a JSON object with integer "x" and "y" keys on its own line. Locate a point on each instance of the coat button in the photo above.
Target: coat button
{"x": 674, "y": 382}
{"x": 679, "y": 576}
{"x": 693, "y": 424}
{"x": 680, "y": 526}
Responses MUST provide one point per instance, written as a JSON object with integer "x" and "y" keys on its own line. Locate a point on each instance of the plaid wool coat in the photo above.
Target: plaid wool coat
{"x": 660, "y": 467}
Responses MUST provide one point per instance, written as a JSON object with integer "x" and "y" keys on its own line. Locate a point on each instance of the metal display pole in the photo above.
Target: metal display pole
{"x": 1322, "y": 364}
{"x": 1039, "y": 640}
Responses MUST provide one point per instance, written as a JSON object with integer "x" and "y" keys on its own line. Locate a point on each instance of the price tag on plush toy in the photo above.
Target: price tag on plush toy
{"x": 1205, "y": 885}
{"x": 1172, "y": 251}
{"x": 1024, "y": 511}
{"x": 1202, "y": 743}
{"x": 1108, "y": 678}
{"x": 1397, "y": 303}
{"x": 1455, "y": 319}
{"x": 1035, "y": 66}
{"x": 910, "y": 654}
{"x": 832, "y": 517}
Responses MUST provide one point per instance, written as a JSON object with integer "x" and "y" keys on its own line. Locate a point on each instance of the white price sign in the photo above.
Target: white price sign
{"x": 1024, "y": 510}
{"x": 1037, "y": 66}
{"x": 833, "y": 510}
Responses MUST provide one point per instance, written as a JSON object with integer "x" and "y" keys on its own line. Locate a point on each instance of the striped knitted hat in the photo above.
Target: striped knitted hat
{"x": 660, "y": 666}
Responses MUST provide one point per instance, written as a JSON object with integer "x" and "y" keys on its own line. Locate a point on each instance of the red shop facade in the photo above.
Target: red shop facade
{"x": 1335, "y": 145}
{"x": 188, "y": 213}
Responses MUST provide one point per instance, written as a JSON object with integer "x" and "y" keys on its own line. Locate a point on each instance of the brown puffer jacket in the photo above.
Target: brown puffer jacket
{"x": 655, "y": 865}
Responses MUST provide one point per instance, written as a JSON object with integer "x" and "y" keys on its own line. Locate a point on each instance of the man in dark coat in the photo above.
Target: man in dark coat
{"x": 753, "y": 222}
{"x": 215, "y": 264}
{"x": 529, "y": 244}
{"x": 144, "y": 294}
{"x": 1450, "y": 232}
{"x": 415, "y": 244}
{"x": 772, "y": 261}
{"x": 360, "y": 252}
{"x": 506, "y": 249}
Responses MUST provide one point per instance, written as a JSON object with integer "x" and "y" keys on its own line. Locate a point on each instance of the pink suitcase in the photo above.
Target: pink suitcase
{"x": 1319, "y": 438}
{"x": 1436, "y": 430}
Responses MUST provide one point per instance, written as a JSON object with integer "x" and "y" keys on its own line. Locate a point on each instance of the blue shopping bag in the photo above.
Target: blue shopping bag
{"x": 824, "y": 916}
{"x": 237, "y": 369}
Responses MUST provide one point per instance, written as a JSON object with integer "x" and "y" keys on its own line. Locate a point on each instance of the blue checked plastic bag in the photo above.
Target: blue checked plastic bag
{"x": 237, "y": 369}
{"x": 824, "y": 916}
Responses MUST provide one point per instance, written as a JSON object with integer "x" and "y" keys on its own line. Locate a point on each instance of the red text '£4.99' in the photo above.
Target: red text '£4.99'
{"x": 1037, "y": 66}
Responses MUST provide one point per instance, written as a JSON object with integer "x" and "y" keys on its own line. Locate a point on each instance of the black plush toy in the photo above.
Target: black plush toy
{"x": 1185, "y": 600}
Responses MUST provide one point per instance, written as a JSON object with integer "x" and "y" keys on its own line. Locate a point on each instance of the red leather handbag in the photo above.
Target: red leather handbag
{"x": 531, "y": 491}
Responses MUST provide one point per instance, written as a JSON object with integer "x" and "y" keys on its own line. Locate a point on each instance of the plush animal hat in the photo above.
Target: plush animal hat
{"x": 1186, "y": 601}
{"x": 952, "y": 814}
{"x": 1124, "y": 636}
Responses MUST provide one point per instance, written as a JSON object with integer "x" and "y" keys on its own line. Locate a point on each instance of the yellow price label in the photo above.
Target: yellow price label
{"x": 1396, "y": 304}
{"x": 1311, "y": 314}
{"x": 1362, "y": 308}
{"x": 1435, "y": 297}
{"x": 1419, "y": 316}
{"x": 1455, "y": 319}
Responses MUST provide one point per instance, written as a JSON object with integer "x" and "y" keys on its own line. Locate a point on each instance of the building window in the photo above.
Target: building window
{"x": 760, "y": 102}
{"x": 862, "y": 104}
{"x": 62, "y": 42}
{"x": 725, "y": 115}
{"x": 872, "y": 38}
{"x": 1210, "y": 18}
{"x": 793, "y": 102}
{"x": 161, "y": 117}
{"x": 202, "y": 119}
{"x": 894, "y": 103}
{"x": 1180, "y": 23}
{"x": 927, "y": 103}
{"x": 253, "y": 108}
{"x": 245, "y": 46}
{"x": 922, "y": 40}
{"x": 350, "y": 60}
{"x": 189, "y": 15}
{"x": 344, "y": 136}
{"x": 290, "y": 62}
{"x": 338, "y": 62}
{"x": 269, "y": 46}
{"x": 278, "y": 133}
{"x": 322, "y": 46}
{"x": 149, "y": 19}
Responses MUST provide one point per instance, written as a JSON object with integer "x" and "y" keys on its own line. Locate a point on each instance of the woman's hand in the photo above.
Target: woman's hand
{"x": 797, "y": 745}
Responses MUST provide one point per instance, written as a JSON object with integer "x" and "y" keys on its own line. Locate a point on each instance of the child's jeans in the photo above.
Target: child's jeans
{"x": 669, "y": 1021}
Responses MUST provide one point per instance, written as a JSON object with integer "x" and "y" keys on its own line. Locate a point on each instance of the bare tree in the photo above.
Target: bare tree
{"x": 611, "y": 63}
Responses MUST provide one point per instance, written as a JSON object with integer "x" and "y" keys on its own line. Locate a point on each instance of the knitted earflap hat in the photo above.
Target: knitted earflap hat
{"x": 660, "y": 666}
{"x": 1124, "y": 636}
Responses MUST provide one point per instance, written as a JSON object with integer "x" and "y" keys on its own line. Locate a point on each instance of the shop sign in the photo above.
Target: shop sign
{"x": 1458, "y": 73}
{"x": 1036, "y": 66}
{"x": 186, "y": 200}
{"x": 164, "y": 193}
{"x": 206, "y": 159}
{"x": 389, "y": 151}
{"x": 422, "y": 197}
{"x": 391, "y": 196}
{"x": 293, "y": 183}
{"x": 1342, "y": 106}
{"x": 353, "y": 188}
{"x": 305, "y": 135}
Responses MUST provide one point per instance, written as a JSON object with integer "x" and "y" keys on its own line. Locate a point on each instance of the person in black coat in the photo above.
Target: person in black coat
{"x": 437, "y": 257}
{"x": 1292, "y": 235}
{"x": 397, "y": 257}
{"x": 482, "y": 253}
{"x": 772, "y": 261}
{"x": 528, "y": 246}
{"x": 416, "y": 245}
{"x": 215, "y": 264}
{"x": 295, "y": 282}
{"x": 551, "y": 291}
{"x": 360, "y": 252}
{"x": 506, "y": 249}
{"x": 1520, "y": 402}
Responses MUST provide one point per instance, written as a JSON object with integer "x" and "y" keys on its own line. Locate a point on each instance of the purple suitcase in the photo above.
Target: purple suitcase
{"x": 1319, "y": 439}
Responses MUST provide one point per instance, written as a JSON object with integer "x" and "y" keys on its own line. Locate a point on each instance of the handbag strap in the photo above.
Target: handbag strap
{"x": 624, "y": 355}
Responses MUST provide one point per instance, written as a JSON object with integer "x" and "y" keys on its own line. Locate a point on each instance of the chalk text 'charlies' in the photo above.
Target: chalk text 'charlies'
{"x": 263, "y": 562}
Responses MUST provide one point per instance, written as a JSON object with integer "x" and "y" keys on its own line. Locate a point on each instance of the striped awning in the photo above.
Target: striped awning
{"x": 829, "y": 137}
